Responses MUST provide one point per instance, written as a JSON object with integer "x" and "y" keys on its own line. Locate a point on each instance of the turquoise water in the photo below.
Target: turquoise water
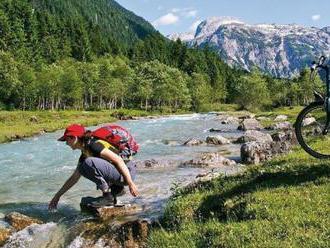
{"x": 33, "y": 170}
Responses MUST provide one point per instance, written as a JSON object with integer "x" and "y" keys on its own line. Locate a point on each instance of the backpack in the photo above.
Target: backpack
{"x": 118, "y": 137}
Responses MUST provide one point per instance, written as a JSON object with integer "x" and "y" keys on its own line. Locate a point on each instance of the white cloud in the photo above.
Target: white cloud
{"x": 167, "y": 19}
{"x": 316, "y": 17}
{"x": 184, "y": 12}
{"x": 191, "y": 13}
{"x": 194, "y": 26}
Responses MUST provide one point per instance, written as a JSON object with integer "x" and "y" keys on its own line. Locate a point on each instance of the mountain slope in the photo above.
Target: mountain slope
{"x": 53, "y": 29}
{"x": 281, "y": 50}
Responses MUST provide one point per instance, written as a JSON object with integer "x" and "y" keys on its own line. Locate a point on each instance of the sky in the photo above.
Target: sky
{"x": 169, "y": 16}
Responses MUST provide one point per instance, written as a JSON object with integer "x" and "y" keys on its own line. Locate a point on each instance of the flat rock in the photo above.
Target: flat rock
{"x": 249, "y": 124}
{"x": 254, "y": 135}
{"x": 217, "y": 140}
{"x": 20, "y": 221}
{"x": 108, "y": 212}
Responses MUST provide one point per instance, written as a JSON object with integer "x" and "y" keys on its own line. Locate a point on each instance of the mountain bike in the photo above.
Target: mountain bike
{"x": 312, "y": 124}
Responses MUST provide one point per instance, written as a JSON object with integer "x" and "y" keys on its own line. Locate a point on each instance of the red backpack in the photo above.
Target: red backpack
{"x": 119, "y": 137}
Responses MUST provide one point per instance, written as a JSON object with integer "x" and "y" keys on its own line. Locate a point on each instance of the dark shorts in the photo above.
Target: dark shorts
{"x": 103, "y": 173}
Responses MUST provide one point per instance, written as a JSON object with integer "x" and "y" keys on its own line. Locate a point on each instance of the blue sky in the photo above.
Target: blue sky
{"x": 169, "y": 16}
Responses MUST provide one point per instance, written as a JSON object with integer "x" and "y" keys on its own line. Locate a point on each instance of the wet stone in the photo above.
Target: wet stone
{"x": 217, "y": 140}
{"x": 4, "y": 235}
{"x": 20, "y": 221}
{"x": 108, "y": 212}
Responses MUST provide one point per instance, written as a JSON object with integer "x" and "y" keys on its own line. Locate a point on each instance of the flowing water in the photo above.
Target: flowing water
{"x": 33, "y": 170}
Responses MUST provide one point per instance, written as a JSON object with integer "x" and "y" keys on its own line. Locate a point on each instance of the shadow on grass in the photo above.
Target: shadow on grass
{"x": 231, "y": 204}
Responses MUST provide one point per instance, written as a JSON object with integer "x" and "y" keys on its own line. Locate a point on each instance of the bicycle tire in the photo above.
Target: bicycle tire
{"x": 299, "y": 132}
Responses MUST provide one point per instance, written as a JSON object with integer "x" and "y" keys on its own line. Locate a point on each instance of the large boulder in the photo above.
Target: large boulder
{"x": 280, "y": 126}
{"x": 254, "y": 135}
{"x": 256, "y": 152}
{"x": 249, "y": 124}
{"x": 20, "y": 221}
{"x": 193, "y": 142}
{"x": 217, "y": 140}
{"x": 212, "y": 159}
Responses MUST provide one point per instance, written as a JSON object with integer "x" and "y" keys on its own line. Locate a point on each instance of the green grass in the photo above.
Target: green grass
{"x": 282, "y": 203}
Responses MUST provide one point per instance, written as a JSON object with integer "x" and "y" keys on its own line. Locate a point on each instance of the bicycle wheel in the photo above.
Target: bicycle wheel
{"x": 309, "y": 128}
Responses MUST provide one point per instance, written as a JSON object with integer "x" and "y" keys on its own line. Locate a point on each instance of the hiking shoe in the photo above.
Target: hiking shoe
{"x": 106, "y": 200}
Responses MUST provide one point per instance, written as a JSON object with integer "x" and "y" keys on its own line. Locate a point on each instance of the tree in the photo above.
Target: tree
{"x": 252, "y": 92}
{"x": 200, "y": 90}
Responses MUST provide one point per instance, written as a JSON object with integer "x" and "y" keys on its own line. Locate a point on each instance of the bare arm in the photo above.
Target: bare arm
{"x": 121, "y": 167}
{"x": 73, "y": 179}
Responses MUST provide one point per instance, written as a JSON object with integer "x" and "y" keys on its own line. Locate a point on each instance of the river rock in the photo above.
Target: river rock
{"x": 108, "y": 212}
{"x": 193, "y": 142}
{"x": 20, "y": 221}
{"x": 154, "y": 164}
{"x": 35, "y": 235}
{"x": 308, "y": 121}
{"x": 118, "y": 234}
{"x": 253, "y": 135}
{"x": 280, "y": 126}
{"x": 209, "y": 160}
{"x": 285, "y": 136}
{"x": 256, "y": 152}
{"x": 217, "y": 140}
{"x": 281, "y": 118}
{"x": 249, "y": 124}
{"x": 226, "y": 119}
{"x": 4, "y": 235}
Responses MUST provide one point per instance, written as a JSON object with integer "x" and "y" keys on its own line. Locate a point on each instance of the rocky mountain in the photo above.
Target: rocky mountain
{"x": 281, "y": 50}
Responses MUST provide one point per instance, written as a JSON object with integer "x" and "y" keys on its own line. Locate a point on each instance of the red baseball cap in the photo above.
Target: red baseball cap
{"x": 74, "y": 130}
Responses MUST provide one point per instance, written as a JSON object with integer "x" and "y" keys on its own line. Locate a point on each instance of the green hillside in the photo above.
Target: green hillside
{"x": 46, "y": 30}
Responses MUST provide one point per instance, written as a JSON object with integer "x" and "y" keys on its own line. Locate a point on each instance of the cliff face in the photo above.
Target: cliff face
{"x": 281, "y": 50}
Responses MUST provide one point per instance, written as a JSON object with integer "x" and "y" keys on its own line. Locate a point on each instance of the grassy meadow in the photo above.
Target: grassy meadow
{"x": 281, "y": 203}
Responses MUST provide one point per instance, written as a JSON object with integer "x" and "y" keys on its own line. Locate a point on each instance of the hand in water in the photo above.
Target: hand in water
{"x": 53, "y": 203}
{"x": 133, "y": 189}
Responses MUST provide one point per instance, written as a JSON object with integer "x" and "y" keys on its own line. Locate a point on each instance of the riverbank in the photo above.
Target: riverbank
{"x": 16, "y": 125}
{"x": 281, "y": 203}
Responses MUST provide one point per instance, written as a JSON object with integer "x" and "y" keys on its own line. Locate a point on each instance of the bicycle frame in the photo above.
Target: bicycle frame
{"x": 327, "y": 98}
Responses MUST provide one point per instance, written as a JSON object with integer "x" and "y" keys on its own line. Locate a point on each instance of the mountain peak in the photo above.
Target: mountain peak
{"x": 211, "y": 25}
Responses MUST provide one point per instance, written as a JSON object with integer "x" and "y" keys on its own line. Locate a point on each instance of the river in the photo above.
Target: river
{"x": 32, "y": 170}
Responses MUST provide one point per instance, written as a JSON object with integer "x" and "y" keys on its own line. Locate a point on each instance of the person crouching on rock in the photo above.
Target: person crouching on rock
{"x": 100, "y": 163}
